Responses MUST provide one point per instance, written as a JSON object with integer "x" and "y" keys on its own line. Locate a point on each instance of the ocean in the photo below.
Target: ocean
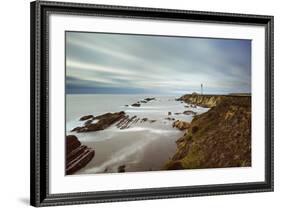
{"x": 142, "y": 147}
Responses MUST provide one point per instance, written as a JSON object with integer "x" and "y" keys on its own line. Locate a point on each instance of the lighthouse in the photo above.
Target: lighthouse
{"x": 201, "y": 89}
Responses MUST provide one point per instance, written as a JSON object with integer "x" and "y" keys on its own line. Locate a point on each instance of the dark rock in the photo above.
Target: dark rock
{"x": 126, "y": 105}
{"x": 177, "y": 113}
{"x": 194, "y": 129}
{"x": 189, "y": 112}
{"x": 77, "y": 155}
{"x": 146, "y": 100}
{"x": 136, "y": 105}
{"x": 135, "y": 121}
{"x": 149, "y": 99}
{"x": 77, "y": 151}
{"x": 76, "y": 128}
{"x": 144, "y": 120}
{"x": 152, "y": 121}
{"x": 104, "y": 121}
{"x": 80, "y": 161}
{"x": 122, "y": 121}
{"x": 169, "y": 113}
{"x": 121, "y": 168}
{"x": 181, "y": 125}
{"x": 83, "y": 118}
{"x": 71, "y": 143}
{"x": 127, "y": 122}
{"x": 88, "y": 122}
{"x": 174, "y": 165}
{"x": 170, "y": 119}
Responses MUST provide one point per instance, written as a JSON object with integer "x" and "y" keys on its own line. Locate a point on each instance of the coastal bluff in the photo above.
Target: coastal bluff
{"x": 220, "y": 137}
{"x": 209, "y": 101}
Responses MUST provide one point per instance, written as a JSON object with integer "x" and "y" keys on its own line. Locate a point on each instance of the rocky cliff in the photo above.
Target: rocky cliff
{"x": 218, "y": 138}
{"x": 77, "y": 155}
{"x": 207, "y": 101}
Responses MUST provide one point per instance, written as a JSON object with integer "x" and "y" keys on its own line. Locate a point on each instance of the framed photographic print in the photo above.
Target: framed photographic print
{"x": 131, "y": 103}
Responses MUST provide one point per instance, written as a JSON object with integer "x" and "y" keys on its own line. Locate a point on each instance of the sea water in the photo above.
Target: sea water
{"x": 145, "y": 146}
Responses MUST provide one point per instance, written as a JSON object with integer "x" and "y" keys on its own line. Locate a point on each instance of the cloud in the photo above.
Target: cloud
{"x": 97, "y": 67}
{"x": 94, "y": 47}
{"x": 158, "y": 63}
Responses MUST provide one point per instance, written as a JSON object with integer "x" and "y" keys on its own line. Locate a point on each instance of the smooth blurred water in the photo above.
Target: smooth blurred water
{"x": 143, "y": 146}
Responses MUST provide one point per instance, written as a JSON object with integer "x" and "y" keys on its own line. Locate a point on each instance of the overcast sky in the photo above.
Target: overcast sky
{"x": 114, "y": 63}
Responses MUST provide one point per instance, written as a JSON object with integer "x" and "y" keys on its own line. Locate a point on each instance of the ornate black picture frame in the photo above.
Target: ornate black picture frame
{"x": 40, "y": 194}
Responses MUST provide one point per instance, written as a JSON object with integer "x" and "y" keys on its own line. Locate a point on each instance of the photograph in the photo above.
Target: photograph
{"x": 136, "y": 103}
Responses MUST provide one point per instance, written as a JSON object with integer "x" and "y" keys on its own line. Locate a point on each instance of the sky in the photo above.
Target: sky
{"x": 102, "y": 63}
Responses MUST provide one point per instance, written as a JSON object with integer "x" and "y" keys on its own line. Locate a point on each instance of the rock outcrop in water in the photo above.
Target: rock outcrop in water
{"x": 189, "y": 112}
{"x": 83, "y": 118}
{"x": 77, "y": 155}
{"x": 126, "y": 122}
{"x": 149, "y": 99}
{"x": 103, "y": 121}
{"x": 218, "y": 138}
{"x": 121, "y": 169}
{"x": 170, "y": 119}
{"x": 181, "y": 125}
{"x": 138, "y": 104}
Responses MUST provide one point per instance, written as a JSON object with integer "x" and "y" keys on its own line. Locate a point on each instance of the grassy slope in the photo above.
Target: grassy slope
{"x": 218, "y": 138}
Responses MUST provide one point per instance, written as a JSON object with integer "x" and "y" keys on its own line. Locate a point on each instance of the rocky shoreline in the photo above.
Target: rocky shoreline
{"x": 119, "y": 119}
{"x": 77, "y": 155}
{"x": 219, "y": 138}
